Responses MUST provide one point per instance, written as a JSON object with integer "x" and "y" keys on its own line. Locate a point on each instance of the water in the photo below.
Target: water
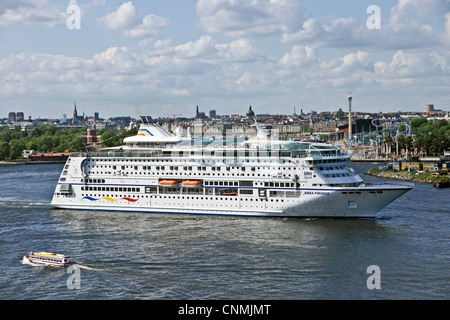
{"x": 158, "y": 256}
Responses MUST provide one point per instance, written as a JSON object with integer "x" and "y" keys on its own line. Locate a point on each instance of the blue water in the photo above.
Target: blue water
{"x": 158, "y": 256}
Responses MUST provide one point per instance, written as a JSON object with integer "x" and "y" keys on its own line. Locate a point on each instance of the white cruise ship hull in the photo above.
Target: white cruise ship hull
{"x": 313, "y": 203}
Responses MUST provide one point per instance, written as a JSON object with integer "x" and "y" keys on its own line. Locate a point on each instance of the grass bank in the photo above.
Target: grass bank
{"x": 424, "y": 177}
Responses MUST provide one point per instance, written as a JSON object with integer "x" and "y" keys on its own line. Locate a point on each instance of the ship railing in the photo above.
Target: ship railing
{"x": 388, "y": 184}
{"x": 231, "y": 152}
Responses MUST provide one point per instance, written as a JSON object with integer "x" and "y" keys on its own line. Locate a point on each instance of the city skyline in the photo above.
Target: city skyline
{"x": 164, "y": 58}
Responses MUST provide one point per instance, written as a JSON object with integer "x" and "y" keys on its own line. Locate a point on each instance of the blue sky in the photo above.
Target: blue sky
{"x": 165, "y": 57}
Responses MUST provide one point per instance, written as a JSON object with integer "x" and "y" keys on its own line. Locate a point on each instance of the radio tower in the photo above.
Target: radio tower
{"x": 349, "y": 115}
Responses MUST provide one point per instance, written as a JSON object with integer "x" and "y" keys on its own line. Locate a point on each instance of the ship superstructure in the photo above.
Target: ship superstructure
{"x": 156, "y": 171}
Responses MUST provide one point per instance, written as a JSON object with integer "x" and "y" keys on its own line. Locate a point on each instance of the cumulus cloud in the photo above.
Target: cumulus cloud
{"x": 399, "y": 31}
{"x": 126, "y": 18}
{"x": 29, "y": 12}
{"x": 414, "y": 65}
{"x": 200, "y": 47}
{"x": 240, "y": 19}
{"x": 240, "y": 50}
{"x": 299, "y": 56}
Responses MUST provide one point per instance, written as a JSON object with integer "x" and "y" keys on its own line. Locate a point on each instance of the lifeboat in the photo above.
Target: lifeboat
{"x": 229, "y": 193}
{"x": 169, "y": 183}
{"x": 191, "y": 183}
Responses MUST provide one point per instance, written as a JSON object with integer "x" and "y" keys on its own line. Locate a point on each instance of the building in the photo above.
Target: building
{"x": 199, "y": 115}
{"x": 20, "y": 116}
{"x": 212, "y": 114}
{"x": 358, "y": 126}
{"x": 50, "y": 157}
{"x": 76, "y": 118}
{"x": 92, "y": 136}
{"x": 12, "y": 117}
{"x": 250, "y": 112}
{"x": 429, "y": 108}
{"x": 411, "y": 166}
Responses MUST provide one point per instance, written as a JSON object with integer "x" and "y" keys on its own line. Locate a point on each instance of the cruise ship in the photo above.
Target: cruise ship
{"x": 156, "y": 171}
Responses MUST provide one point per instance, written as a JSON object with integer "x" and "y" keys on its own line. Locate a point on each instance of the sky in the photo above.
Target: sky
{"x": 164, "y": 57}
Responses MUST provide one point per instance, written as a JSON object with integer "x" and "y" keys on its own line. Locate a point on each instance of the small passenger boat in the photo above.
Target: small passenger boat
{"x": 53, "y": 259}
{"x": 191, "y": 183}
{"x": 169, "y": 183}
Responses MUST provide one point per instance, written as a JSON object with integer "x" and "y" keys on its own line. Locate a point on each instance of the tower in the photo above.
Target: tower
{"x": 350, "y": 116}
{"x": 250, "y": 112}
{"x": 75, "y": 113}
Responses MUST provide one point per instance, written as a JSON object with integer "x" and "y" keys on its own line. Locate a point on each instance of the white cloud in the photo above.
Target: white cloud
{"x": 241, "y": 50}
{"x": 29, "y": 12}
{"x": 201, "y": 47}
{"x": 446, "y": 32}
{"x": 299, "y": 56}
{"x": 127, "y": 19}
{"x": 148, "y": 27}
{"x": 240, "y": 19}
{"x": 399, "y": 31}
{"x": 408, "y": 65}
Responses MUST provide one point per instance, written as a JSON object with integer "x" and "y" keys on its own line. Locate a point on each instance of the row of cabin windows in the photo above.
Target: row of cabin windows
{"x": 191, "y": 160}
{"x": 92, "y": 180}
{"x": 187, "y": 173}
{"x": 189, "y": 168}
{"x": 282, "y": 184}
{"x": 202, "y": 197}
{"x": 115, "y": 189}
{"x": 47, "y": 259}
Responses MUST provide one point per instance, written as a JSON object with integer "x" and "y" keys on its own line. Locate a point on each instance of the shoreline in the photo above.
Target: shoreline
{"x": 436, "y": 181}
{"x": 14, "y": 163}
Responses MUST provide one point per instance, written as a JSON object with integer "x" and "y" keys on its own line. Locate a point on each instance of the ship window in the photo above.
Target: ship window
{"x": 352, "y": 204}
{"x": 246, "y": 183}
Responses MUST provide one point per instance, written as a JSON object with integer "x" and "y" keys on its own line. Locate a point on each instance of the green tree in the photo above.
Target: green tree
{"x": 4, "y": 150}
{"x": 15, "y": 149}
{"x": 45, "y": 144}
{"x": 76, "y": 144}
{"x": 416, "y": 123}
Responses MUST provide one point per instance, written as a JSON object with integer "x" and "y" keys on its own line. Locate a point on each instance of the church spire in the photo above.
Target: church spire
{"x": 75, "y": 113}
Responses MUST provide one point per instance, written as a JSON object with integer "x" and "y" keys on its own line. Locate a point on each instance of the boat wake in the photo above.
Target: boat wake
{"x": 88, "y": 267}
{"x": 11, "y": 202}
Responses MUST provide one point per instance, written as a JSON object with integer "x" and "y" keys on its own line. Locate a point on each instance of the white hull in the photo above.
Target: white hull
{"x": 326, "y": 203}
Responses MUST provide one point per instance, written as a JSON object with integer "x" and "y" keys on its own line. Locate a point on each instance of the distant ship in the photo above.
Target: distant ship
{"x": 158, "y": 172}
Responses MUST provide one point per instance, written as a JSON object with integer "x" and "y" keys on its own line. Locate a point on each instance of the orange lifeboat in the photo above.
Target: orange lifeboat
{"x": 169, "y": 183}
{"x": 230, "y": 193}
{"x": 191, "y": 183}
